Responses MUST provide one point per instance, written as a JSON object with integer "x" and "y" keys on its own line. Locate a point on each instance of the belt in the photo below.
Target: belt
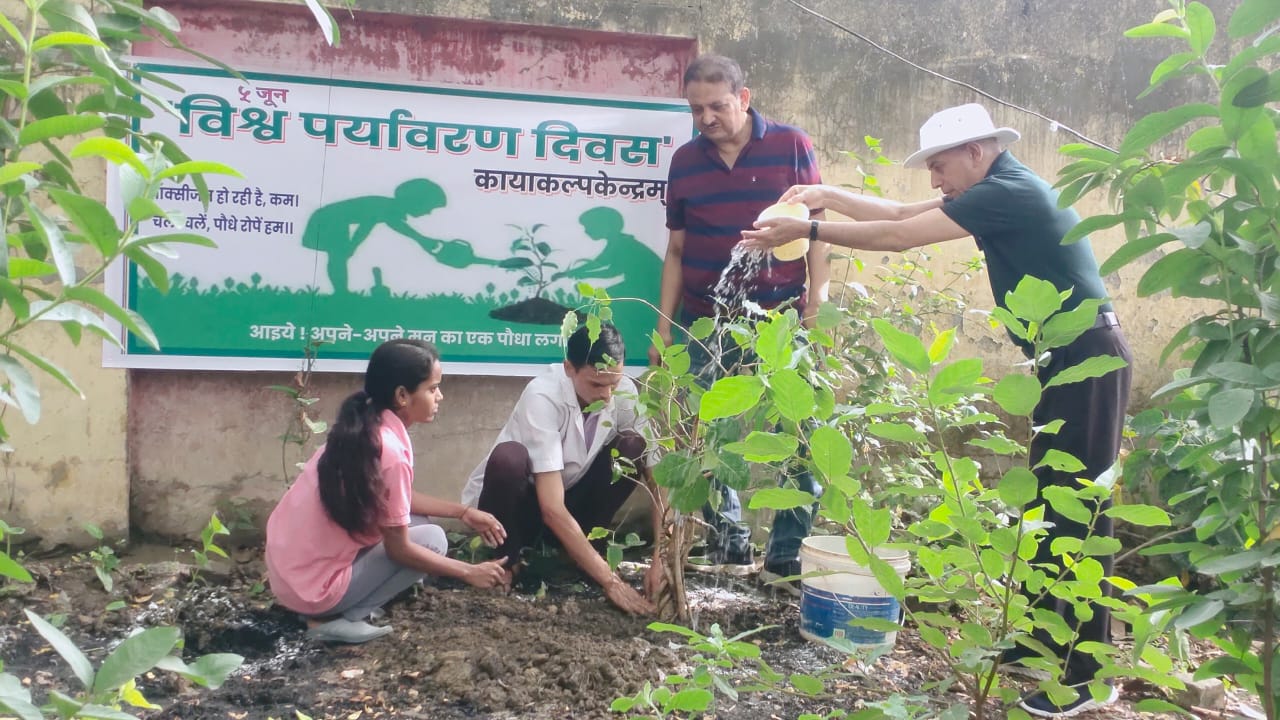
{"x": 1106, "y": 319}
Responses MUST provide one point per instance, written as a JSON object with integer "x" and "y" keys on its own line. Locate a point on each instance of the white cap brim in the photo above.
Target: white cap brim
{"x": 919, "y": 159}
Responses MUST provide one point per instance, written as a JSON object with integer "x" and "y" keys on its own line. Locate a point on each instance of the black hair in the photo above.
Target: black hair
{"x": 606, "y": 350}
{"x": 350, "y": 484}
{"x": 715, "y": 69}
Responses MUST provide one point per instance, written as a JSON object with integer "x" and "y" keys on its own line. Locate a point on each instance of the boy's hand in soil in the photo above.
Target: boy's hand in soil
{"x": 626, "y": 598}
{"x": 490, "y": 574}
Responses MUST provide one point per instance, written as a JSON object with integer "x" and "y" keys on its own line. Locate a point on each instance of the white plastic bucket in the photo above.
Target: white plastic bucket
{"x": 851, "y": 591}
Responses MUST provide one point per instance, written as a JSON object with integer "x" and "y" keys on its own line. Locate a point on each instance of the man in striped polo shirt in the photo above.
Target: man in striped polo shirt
{"x": 719, "y": 182}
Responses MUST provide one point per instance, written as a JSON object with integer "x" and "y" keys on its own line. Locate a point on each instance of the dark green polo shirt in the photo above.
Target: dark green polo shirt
{"x": 1014, "y": 216}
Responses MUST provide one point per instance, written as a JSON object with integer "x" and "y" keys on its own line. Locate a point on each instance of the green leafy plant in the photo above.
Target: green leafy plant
{"x": 103, "y": 557}
{"x": 1209, "y": 209}
{"x": 209, "y": 544}
{"x": 301, "y": 427}
{"x": 715, "y": 660}
{"x": 114, "y": 683}
{"x": 68, "y": 104}
{"x": 974, "y": 550}
{"x": 864, "y": 160}
{"x": 615, "y": 548}
{"x": 531, "y": 258}
{"x": 9, "y": 567}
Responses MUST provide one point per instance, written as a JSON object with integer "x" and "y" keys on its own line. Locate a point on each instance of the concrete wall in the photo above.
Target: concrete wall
{"x": 199, "y": 439}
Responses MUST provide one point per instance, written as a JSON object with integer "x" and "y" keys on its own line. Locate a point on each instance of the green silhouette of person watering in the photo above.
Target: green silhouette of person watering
{"x": 624, "y": 255}
{"x": 338, "y": 229}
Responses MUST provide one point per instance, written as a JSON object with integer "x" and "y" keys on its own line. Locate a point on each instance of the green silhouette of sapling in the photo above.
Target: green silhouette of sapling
{"x": 531, "y": 257}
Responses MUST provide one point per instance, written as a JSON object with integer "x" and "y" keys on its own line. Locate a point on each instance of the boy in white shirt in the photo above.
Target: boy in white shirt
{"x": 551, "y": 466}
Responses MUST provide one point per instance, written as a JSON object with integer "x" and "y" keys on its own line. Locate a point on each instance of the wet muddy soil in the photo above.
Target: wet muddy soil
{"x": 557, "y": 650}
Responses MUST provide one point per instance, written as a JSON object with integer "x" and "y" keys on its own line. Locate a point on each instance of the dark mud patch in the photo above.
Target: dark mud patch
{"x": 535, "y": 311}
{"x": 552, "y": 650}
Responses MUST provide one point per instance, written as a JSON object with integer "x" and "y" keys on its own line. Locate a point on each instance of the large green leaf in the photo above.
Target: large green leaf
{"x": 690, "y": 498}
{"x": 1240, "y": 374}
{"x": 132, "y": 321}
{"x": 1093, "y": 367}
{"x": 1198, "y": 613}
{"x": 63, "y": 257}
{"x": 136, "y": 655}
{"x": 63, "y": 38}
{"x": 1017, "y": 394}
{"x": 792, "y": 396}
{"x": 193, "y": 167}
{"x": 1089, "y": 225}
{"x": 772, "y": 344}
{"x": 68, "y": 312}
{"x": 730, "y": 396}
{"x": 688, "y": 700}
{"x": 1064, "y": 502}
{"x": 675, "y": 470}
{"x": 941, "y": 346}
{"x": 1228, "y": 407}
{"x": 59, "y": 126}
{"x": 112, "y": 150}
{"x": 1199, "y": 20}
{"x": 1143, "y": 515}
{"x": 91, "y": 217}
{"x": 16, "y": 699}
{"x": 65, "y": 647}
{"x": 1156, "y": 29}
{"x": 1033, "y": 299}
{"x": 888, "y": 578}
{"x": 14, "y": 170}
{"x": 25, "y": 390}
{"x": 962, "y": 377}
{"x": 1018, "y": 487}
{"x": 1060, "y": 461}
{"x": 763, "y": 447}
{"x": 1252, "y": 16}
{"x": 904, "y": 347}
{"x": 11, "y": 569}
{"x": 781, "y": 499}
{"x": 831, "y": 451}
{"x": 1133, "y": 250}
{"x": 1063, "y": 328}
{"x": 872, "y": 524}
{"x": 1158, "y": 125}
{"x": 900, "y": 432}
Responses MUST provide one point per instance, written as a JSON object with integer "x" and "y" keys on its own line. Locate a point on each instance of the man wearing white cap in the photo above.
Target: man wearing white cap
{"x": 1013, "y": 215}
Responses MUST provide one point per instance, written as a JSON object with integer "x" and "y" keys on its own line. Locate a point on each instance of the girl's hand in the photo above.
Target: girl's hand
{"x": 490, "y": 574}
{"x": 491, "y": 531}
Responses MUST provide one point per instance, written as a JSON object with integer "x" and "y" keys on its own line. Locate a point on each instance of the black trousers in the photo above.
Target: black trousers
{"x": 1093, "y": 412}
{"x": 509, "y": 492}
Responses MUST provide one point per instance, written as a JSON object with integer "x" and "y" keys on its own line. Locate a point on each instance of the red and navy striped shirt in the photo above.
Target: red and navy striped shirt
{"x": 713, "y": 204}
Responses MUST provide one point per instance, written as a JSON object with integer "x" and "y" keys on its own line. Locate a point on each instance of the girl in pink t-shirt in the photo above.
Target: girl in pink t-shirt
{"x": 351, "y": 533}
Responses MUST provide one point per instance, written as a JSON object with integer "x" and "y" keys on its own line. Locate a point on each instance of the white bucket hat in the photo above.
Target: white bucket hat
{"x": 954, "y": 127}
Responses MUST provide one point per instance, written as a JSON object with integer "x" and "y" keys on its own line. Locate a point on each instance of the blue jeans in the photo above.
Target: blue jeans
{"x": 728, "y": 533}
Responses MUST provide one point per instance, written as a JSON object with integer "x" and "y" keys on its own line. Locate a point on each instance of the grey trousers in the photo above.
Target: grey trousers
{"x": 376, "y": 579}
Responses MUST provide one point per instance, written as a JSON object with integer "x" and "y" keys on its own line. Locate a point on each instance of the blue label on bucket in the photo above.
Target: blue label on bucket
{"x": 827, "y": 615}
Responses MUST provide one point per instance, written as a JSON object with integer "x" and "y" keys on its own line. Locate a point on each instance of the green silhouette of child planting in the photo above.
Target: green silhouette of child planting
{"x": 623, "y": 255}
{"x": 338, "y": 229}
